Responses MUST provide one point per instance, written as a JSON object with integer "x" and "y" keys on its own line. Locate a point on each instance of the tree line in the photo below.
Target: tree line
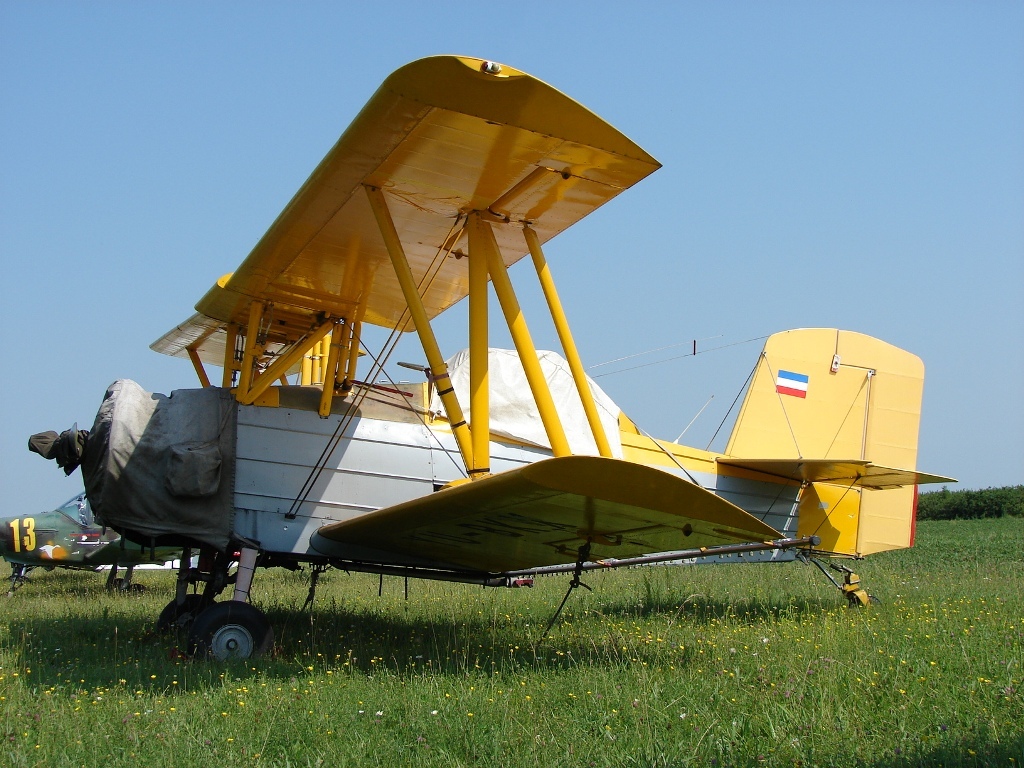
{"x": 970, "y": 505}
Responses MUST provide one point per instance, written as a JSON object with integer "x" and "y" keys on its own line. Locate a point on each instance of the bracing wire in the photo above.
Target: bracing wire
{"x": 734, "y": 401}
{"x": 652, "y": 351}
{"x": 669, "y": 359}
{"x": 386, "y": 350}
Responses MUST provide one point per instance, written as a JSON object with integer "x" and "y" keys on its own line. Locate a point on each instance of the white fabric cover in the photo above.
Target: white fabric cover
{"x": 514, "y": 412}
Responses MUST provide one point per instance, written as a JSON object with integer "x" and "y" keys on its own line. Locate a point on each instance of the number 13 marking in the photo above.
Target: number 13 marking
{"x": 23, "y": 542}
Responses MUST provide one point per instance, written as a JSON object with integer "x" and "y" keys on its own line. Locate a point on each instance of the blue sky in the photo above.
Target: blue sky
{"x": 850, "y": 165}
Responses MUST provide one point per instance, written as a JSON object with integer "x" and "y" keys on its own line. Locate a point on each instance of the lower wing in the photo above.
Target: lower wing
{"x": 543, "y": 513}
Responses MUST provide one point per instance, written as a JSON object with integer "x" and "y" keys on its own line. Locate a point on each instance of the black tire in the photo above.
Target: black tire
{"x": 175, "y": 616}
{"x": 230, "y": 630}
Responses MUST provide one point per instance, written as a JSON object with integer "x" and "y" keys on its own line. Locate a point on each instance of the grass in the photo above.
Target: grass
{"x": 713, "y": 665}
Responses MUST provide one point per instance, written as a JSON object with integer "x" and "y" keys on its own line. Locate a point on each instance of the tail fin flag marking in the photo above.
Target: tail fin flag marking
{"x": 790, "y": 383}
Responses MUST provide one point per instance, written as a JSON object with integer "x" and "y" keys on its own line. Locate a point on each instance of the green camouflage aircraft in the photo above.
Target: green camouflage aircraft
{"x": 70, "y": 537}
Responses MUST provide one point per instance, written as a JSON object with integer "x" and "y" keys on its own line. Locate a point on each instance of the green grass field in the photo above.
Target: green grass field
{"x": 710, "y": 665}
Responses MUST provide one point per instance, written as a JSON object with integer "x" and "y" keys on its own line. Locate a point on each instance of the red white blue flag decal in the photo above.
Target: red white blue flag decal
{"x": 789, "y": 383}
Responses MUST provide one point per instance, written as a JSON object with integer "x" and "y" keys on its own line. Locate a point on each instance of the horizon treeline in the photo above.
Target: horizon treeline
{"x": 945, "y": 504}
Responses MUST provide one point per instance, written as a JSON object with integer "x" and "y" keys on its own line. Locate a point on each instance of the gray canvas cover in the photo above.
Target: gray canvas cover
{"x": 160, "y": 465}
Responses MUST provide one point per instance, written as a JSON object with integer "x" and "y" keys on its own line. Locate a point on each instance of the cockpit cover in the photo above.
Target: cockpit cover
{"x": 156, "y": 465}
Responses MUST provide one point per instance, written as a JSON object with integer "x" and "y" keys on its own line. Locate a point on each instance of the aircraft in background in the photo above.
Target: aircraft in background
{"x": 503, "y": 463}
{"x": 70, "y": 537}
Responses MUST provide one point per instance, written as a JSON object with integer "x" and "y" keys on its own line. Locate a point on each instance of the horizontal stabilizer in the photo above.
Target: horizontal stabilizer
{"x": 854, "y": 472}
{"x": 541, "y": 513}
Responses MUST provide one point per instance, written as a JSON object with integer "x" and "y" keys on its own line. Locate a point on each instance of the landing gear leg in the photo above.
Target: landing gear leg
{"x": 183, "y": 609}
{"x": 122, "y": 584}
{"x": 19, "y": 575}
{"x": 112, "y": 578}
{"x": 246, "y": 571}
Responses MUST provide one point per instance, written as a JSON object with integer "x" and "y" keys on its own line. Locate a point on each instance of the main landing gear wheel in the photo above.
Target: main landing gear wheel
{"x": 230, "y": 630}
{"x": 175, "y": 616}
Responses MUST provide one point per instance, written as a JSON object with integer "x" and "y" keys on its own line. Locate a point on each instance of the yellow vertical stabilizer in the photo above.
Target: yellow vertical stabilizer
{"x": 822, "y": 393}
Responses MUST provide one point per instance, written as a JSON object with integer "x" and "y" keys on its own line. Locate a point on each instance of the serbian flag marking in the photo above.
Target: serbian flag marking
{"x": 789, "y": 383}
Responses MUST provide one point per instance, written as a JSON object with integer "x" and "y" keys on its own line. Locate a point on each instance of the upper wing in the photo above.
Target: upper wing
{"x": 441, "y": 137}
{"x": 540, "y": 514}
{"x": 854, "y": 472}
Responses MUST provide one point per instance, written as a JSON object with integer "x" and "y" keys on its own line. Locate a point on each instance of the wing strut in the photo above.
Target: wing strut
{"x": 341, "y": 337}
{"x": 438, "y": 369}
{"x": 252, "y": 383}
{"x": 524, "y": 343}
{"x": 572, "y": 356}
{"x": 479, "y": 387}
{"x": 353, "y": 355}
{"x": 193, "y": 355}
{"x": 231, "y": 362}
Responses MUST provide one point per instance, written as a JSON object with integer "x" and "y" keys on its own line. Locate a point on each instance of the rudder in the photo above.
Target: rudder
{"x": 823, "y": 393}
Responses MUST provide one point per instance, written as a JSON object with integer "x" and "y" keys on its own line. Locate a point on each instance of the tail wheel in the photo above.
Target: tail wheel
{"x": 230, "y": 630}
{"x": 858, "y": 598}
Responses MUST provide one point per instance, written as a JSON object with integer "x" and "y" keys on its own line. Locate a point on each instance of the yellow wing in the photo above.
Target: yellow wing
{"x": 442, "y": 136}
{"x": 540, "y": 514}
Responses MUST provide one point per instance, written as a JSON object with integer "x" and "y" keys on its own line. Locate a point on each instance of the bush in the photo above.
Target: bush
{"x": 970, "y": 505}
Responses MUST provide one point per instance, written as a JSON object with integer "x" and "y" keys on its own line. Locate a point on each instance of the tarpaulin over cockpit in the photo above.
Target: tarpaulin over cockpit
{"x": 159, "y": 467}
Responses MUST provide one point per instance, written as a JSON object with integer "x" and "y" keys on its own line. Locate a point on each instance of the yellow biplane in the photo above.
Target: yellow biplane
{"x": 503, "y": 463}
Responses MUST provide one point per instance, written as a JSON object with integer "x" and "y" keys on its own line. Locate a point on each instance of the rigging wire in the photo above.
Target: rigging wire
{"x": 734, "y": 401}
{"x": 782, "y": 404}
{"x": 669, "y": 359}
{"x": 697, "y": 416}
{"x": 651, "y": 351}
{"x": 671, "y": 456}
{"x": 377, "y": 369}
{"x": 853, "y": 404}
{"x": 422, "y": 420}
